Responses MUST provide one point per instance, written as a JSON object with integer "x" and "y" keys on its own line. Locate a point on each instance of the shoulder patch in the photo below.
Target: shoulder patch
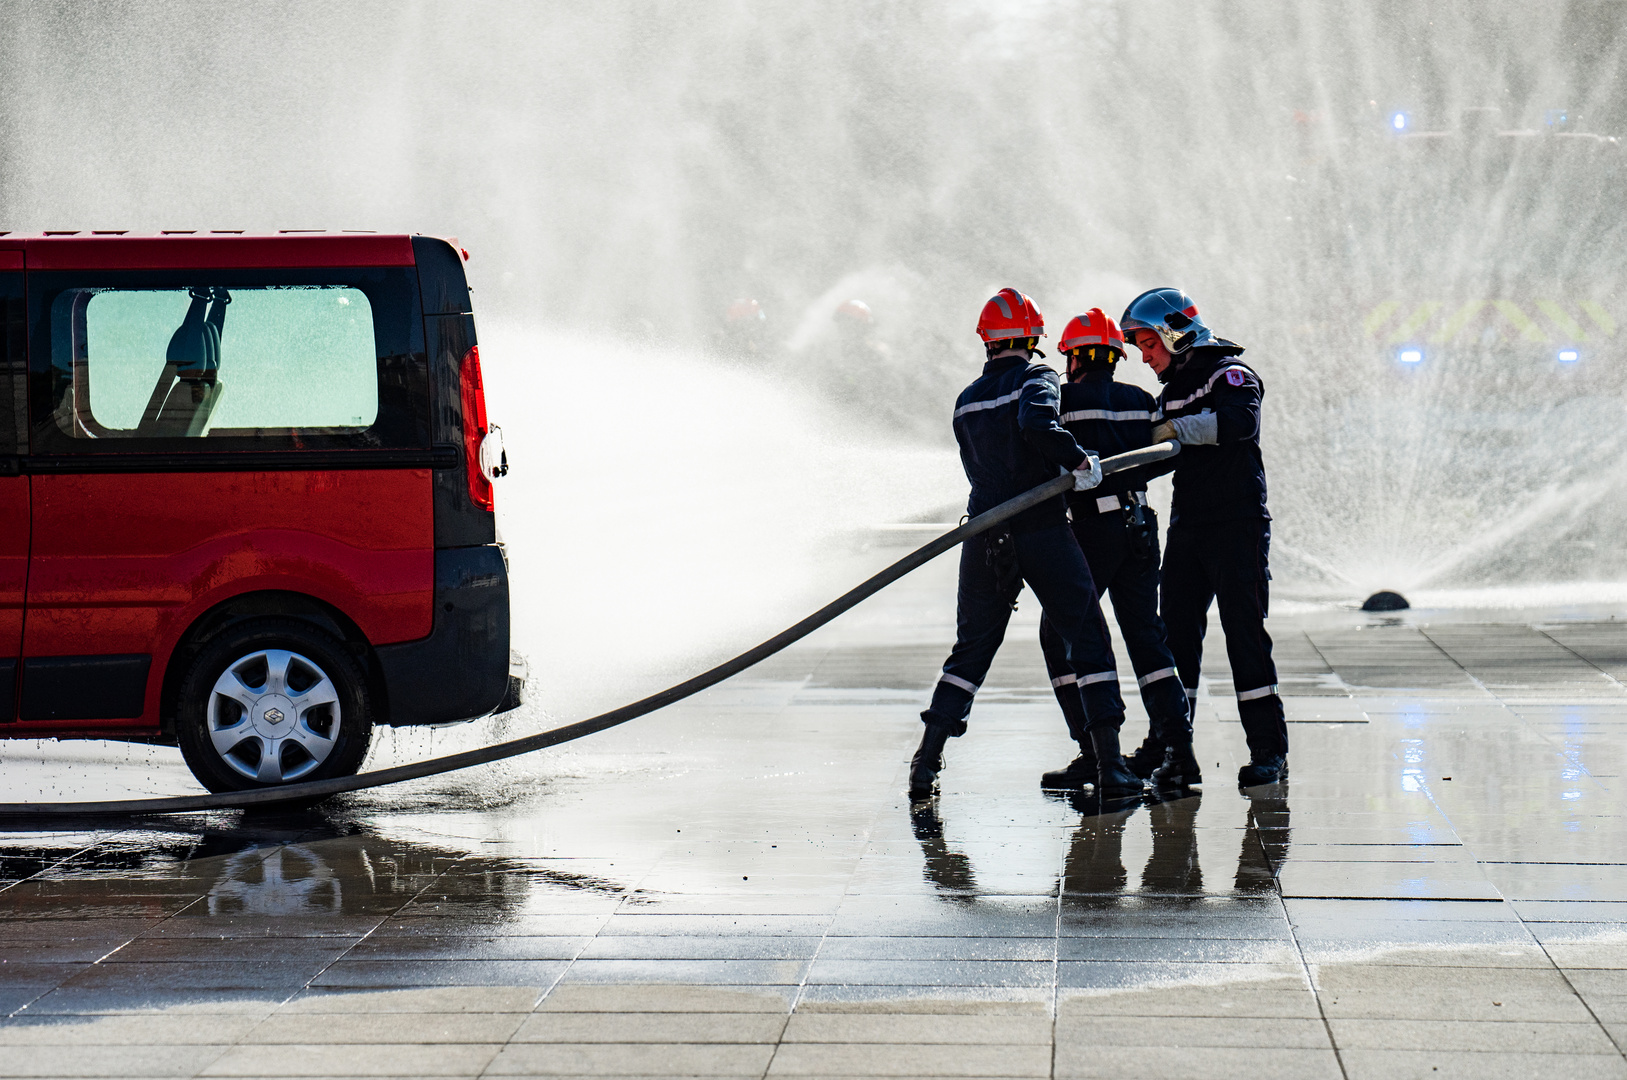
{"x": 1235, "y": 376}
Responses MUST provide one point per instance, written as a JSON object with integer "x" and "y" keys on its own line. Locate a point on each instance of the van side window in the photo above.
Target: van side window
{"x": 207, "y": 360}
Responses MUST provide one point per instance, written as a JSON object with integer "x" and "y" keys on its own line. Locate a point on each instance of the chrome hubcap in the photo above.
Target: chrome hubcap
{"x": 273, "y": 716}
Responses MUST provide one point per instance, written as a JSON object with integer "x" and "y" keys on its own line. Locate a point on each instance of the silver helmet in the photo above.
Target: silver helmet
{"x": 1172, "y": 315}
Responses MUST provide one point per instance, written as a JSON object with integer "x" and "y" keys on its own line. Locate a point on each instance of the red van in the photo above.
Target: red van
{"x": 246, "y": 494}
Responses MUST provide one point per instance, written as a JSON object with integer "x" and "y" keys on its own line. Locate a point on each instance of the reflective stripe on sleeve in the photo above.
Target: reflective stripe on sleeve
{"x": 1171, "y": 406}
{"x": 1003, "y": 399}
{"x": 1251, "y": 695}
{"x": 1191, "y": 691}
{"x": 1103, "y": 414}
{"x": 992, "y": 403}
{"x": 955, "y": 680}
{"x": 1154, "y": 676}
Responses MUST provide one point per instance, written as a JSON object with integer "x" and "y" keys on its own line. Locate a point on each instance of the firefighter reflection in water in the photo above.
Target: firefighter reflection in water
{"x": 1118, "y": 533}
{"x": 1219, "y": 530}
{"x": 1093, "y": 866}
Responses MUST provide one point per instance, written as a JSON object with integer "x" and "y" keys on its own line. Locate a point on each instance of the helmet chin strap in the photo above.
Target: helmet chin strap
{"x": 1013, "y": 345}
{"x": 1177, "y": 360}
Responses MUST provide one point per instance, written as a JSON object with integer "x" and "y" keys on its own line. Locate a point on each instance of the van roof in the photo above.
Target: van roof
{"x": 206, "y": 251}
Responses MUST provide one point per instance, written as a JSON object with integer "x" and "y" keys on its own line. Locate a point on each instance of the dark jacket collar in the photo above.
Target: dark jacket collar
{"x": 1196, "y": 365}
{"x": 1001, "y": 363}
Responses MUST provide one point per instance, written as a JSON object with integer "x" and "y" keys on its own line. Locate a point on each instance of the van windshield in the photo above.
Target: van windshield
{"x": 205, "y": 360}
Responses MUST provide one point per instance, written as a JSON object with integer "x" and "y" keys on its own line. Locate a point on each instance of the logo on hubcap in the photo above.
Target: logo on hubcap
{"x": 274, "y": 715}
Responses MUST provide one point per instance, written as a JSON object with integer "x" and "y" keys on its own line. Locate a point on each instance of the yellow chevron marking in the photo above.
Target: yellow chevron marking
{"x": 1454, "y": 326}
{"x": 1601, "y": 318}
{"x": 1414, "y": 322}
{"x": 1379, "y": 316}
{"x": 1562, "y": 319}
{"x": 1522, "y": 322}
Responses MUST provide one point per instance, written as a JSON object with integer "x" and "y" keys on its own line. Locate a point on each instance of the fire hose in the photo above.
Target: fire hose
{"x": 315, "y": 790}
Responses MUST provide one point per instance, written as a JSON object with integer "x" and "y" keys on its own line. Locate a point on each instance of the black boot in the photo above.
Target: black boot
{"x": 1180, "y": 769}
{"x": 928, "y": 761}
{"x": 1147, "y": 757}
{"x": 1113, "y": 777}
{"x": 1263, "y": 769}
{"x": 1080, "y": 773}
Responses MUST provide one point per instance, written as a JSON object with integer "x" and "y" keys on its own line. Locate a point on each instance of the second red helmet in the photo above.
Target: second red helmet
{"x": 1010, "y": 314}
{"x": 1092, "y": 328}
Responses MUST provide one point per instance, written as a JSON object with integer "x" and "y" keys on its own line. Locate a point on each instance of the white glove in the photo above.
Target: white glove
{"x": 1163, "y": 432}
{"x": 1089, "y": 472}
{"x": 1202, "y": 429}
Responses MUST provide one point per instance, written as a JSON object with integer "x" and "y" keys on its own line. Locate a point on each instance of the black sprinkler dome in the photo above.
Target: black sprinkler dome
{"x": 1385, "y": 601}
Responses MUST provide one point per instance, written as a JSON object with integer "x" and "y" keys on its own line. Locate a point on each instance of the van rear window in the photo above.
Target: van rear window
{"x": 177, "y": 361}
{"x": 203, "y": 361}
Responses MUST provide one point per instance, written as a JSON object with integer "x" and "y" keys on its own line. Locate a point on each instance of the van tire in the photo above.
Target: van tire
{"x": 248, "y": 688}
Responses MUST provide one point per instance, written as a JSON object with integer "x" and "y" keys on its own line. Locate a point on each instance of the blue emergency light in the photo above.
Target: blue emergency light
{"x": 1399, "y": 121}
{"x": 1410, "y": 354}
{"x": 1569, "y": 356}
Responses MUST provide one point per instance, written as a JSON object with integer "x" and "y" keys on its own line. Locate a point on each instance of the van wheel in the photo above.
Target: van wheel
{"x": 271, "y": 702}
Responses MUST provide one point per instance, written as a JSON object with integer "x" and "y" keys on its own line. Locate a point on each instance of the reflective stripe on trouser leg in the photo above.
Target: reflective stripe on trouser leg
{"x": 1064, "y": 682}
{"x": 1100, "y": 691}
{"x": 1084, "y": 680}
{"x": 1256, "y": 693}
{"x": 1154, "y": 676}
{"x": 1168, "y": 709}
{"x": 951, "y": 701}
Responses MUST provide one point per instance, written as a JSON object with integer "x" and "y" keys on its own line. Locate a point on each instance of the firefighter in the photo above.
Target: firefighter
{"x": 1219, "y": 530}
{"x": 1118, "y": 533}
{"x": 743, "y": 333}
{"x": 1011, "y": 440}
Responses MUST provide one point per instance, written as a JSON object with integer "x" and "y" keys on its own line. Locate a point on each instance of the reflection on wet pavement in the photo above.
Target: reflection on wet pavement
{"x": 740, "y": 887}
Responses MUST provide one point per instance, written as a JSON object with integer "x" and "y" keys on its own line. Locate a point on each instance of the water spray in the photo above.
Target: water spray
{"x": 317, "y": 790}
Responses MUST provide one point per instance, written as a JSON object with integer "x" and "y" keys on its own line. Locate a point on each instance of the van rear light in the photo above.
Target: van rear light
{"x": 474, "y": 430}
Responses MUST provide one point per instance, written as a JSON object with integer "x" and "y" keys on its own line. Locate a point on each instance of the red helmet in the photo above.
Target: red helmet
{"x": 1091, "y": 328}
{"x": 854, "y": 311}
{"x": 1010, "y": 314}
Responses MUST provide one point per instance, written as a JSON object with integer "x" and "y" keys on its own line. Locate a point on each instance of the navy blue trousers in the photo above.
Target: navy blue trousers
{"x": 1131, "y": 579}
{"x": 1050, "y": 562}
{"x": 1226, "y": 563}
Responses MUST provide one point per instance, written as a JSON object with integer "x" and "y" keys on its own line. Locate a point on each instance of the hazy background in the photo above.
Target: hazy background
{"x": 621, "y": 172}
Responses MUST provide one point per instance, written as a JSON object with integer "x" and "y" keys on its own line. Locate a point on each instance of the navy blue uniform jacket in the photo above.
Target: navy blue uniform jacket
{"x": 1223, "y": 482}
{"x": 1110, "y": 418}
{"x": 1008, "y": 425}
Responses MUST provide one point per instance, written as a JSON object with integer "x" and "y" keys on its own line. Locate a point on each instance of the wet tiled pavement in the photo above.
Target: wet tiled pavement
{"x": 738, "y": 887}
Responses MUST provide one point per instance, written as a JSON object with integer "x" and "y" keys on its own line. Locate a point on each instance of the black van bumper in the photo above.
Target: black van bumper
{"x": 461, "y": 670}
